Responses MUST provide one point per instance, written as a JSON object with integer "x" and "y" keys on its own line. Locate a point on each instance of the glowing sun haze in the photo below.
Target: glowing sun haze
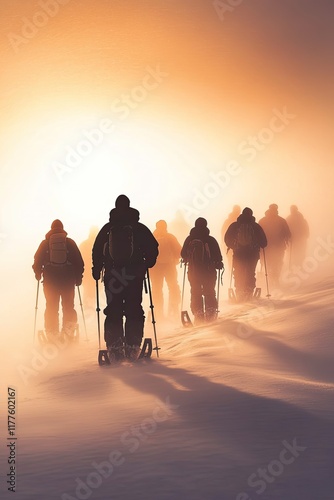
{"x": 172, "y": 103}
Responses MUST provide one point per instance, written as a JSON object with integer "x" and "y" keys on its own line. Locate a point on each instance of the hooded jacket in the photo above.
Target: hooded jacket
{"x": 145, "y": 250}
{"x": 203, "y": 234}
{"x": 260, "y": 239}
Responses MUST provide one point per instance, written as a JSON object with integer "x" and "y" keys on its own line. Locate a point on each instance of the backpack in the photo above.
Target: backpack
{"x": 58, "y": 249}
{"x": 120, "y": 244}
{"x": 199, "y": 253}
{"x": 245, "y": 237}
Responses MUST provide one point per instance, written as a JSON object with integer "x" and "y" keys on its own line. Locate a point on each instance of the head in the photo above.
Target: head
{"x": 273, "y": 209}
{"x": 122, "y": 201}
{"x": 57, "y": 224}
{"x": 236, "y": 210}
{"x": 201, "y": 223}
{"x": 247, "y": 212}
{"x": 161, "y": 225}
{"x": 293, "y": 209}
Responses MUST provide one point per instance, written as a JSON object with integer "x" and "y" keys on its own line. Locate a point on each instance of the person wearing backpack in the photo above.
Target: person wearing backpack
{"x": 202, "y": 254}
{"x": 245, "y": 237}
{"x": 165, "y": 270}
{"x": 300, "y": 233}
{"x": 279, "y": 237}
{"x": 59, "y": 261}
{"x": 124, "y": 249}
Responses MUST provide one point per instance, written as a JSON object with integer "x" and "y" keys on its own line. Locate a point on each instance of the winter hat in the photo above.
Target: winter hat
{"x": 161, "y": 225}
{"x": 201, "y": 222}
{"x": 122, "y": 201}
{"x": 273, "y": 207}
{"x": 247, "y": 211}
{"x": 57, "y": 224}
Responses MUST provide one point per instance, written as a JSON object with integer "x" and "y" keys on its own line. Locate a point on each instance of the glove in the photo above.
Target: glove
{"x": 38, "y": 276}
{"x": 96, "y": 273}
{"x": 78, "y": 281}
{"x": 150, "y": 262}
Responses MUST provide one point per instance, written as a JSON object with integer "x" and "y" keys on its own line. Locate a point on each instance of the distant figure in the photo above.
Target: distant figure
{"x": 88, "y": 283}
{"x": 245, "y": 237}
{"x": 232, "y": 217}
{"x": 300, "y": 233}
{"x": 165, "y": 269}
{"x": 125, "y": 248}
{"x": 59, "y": 261}
{"x": 202, "y": 254}
{"x": 179, "y": 226}
{"x": 278, "y": 236}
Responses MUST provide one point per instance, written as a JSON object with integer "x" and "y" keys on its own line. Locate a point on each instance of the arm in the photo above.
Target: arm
{"x": 230, "y": 236}
{"x": 39, "y": 260}
{"x": 149, "y": 246}
{"x": 97, "y": 252}
{"x": 216, "y": 253}
{"x": 184, "y": 250}
{"x": 261, "y": 236}
{"x": 176, "y": 247}
{"x": 76, "y": 260}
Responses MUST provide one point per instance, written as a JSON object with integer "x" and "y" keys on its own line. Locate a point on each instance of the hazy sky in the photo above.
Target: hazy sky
{"x": 182, "y": 104}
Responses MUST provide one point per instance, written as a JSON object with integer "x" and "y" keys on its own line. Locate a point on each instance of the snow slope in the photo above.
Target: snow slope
{"x": 239, "y": 410}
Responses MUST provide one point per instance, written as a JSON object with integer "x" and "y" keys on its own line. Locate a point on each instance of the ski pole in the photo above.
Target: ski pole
{"x": 290, "y": 255}
{"x": 36, "y": 307}
{"x": 156, "y": 348}
{"x": 265, "y": 272}
{"x": 218, "y": 285}
{"x": 98, "y": 312}
{"x": 183, "y": 284}
{"x": 231, "y": 273}
{"x": 83, "y": 316}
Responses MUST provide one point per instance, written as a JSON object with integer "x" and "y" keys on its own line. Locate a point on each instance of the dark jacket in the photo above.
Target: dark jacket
{"x": 260, "y": 239}
{"x": 71, "y": 272}
{"x": 169, "y": 247}
{"x": 145, "y": 245}
{"x": 203, "y": 234}
{"x": 276, "y": 229}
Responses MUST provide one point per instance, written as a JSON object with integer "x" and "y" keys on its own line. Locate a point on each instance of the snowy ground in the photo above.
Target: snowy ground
{"x": 239, "y": 410}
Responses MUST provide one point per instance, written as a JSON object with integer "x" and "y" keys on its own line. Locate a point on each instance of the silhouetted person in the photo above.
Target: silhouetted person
{"x": 59, "y": 261}
{"x": 232, "y": 217}
{"x": 245, "y": 237}
{"x": 125, "y": 249}
{"x": 179, "y": 226}
{"x": 300, "y": 233}
{"x": 88, "y": 283}
{"x": 202, "y": 254}
{"x": 165, "y": 270}
{"x": 278, "y": 236}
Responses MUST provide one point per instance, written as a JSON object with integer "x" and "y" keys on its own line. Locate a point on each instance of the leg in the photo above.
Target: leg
{"x": 157, "y": 280}
{"x": 113, "y": 324}
{"x": 69, "y": 313}
{"x": 134, "y": 313}
{"x": 250, "y": 282}
{"x": 51, "y": 315}
{"x": 277, "y": 258}
{"x": 209, "y": 292}
{"x": 240, "y": 277}
{"x": 174, "y": 292}
{"x": 196, "y": 297}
